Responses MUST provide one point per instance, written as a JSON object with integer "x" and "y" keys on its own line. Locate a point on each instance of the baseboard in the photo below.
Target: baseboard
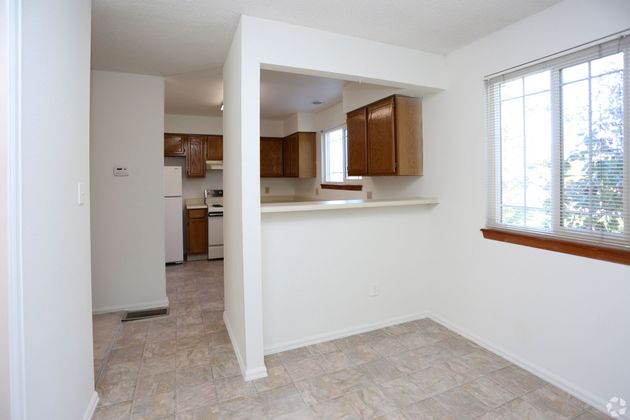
{"x": 91, "y": 408}
{"x": 578, "y": 392}
{"x": 132, "y": 307}
{"x": 248, "y": 374}
{"x": 345, "y": 332}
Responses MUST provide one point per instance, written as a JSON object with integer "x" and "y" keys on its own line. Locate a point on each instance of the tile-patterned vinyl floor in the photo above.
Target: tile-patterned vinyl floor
{"x": 183, "y": 367}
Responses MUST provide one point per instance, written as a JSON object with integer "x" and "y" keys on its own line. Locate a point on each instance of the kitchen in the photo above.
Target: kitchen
{"x": 294, "y": 167}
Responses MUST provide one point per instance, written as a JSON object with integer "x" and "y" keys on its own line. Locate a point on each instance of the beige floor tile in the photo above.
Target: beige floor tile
{"x": 303, "y": 414}
{"x": 154, "y": 407}
{"x": 370, "y": 401}
{"x": 322, "y": 348}
{"x": 276, "y": 377}
{"x": 380, "y": 370}
{"x": 244, "y": 408}
{"x": 393, "y": 415}
{"x": 193, "y": 341}
{"x": 226, "y": 369}
{"x": 193, "y": 376}
{"x": 159, "y": 349}
{"x": 438, "y": 378}
{"x": 195, "y": 397}
{"x": 304, "y": 369}
{"x": 489, "y": 392}
{"x": 402, "y": 391}
{"x": 417, "y": 339}
{"x": 159, "y": 364}
{"x": 336, "y": 360}
{"x": 516, "y": 380}
{"x": 517, "y": 409}
{"x": 338, "y": 408}
{"x": 461, "y": 403}
{"x": 387, "y": 346}
{"x": 552, "y": 404}
{"x": 283, "y": 401}
{"x": 234, "y": 387}
{"x": 484, "y": 361}
{"x": 155, "y": 384}
{"x": 294, "y": 355}
{"x": 126, "y": 354}
{"x": 208, "y": 412}
{"x": 120, "y": 411}
{"x": 121, "y": 372}
{"x": 428, "y": 409}
{"x": 361, "y": 353}
{"x": 193, "y": 356}
{"x": 115, "y": 392}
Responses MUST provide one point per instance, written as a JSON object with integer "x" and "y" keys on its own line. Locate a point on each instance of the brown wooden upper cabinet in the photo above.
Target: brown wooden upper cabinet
{"x": 196, "y": 157}
{"x": 299, "y": 155}
{"x": 271, "y": 156}
{"x": 174, "y": 145}
{"x": 292, "y": 156}
{"x": 385, "y": 138}
{"x": 214, "y": 147}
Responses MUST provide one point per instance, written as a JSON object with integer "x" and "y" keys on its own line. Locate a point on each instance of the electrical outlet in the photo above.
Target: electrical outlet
{"x": 374, "y": 290}
{"x": 121, "y": 171}
{"x": 369, "y": 195}
{"x": 267, "y": 190}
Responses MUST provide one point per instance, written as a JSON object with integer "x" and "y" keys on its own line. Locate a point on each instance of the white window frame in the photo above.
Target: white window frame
{"x": 555, "y": 65}
{"x": 347, "y": 180}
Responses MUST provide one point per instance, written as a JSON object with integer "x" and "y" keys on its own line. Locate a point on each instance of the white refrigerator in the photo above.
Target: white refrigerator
{"x": 173, "y": 215}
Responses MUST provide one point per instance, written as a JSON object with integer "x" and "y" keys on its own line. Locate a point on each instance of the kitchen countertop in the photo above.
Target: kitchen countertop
{"x": 311, "y": 205}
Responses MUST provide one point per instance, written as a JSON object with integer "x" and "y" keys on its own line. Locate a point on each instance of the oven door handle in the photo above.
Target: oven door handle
{"x": 215, "y": 214}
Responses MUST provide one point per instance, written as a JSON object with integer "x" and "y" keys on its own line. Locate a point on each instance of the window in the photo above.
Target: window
{"x": 335, "y": 164}
{"x": 559, "y": 148}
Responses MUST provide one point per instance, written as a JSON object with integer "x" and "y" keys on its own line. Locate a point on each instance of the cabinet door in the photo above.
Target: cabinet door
{"x": 307, "y": 160}
{"x": 381, "y": 138}
{"x": 174, "y": 145}
{"x": 270, "y": 156}
{"x": 214, "y": 147}
{"x": 290, "y": 157}
{"x": 196, "y": 157}
{"x": 198, "y": 236}
{"x": 357, "y": 142}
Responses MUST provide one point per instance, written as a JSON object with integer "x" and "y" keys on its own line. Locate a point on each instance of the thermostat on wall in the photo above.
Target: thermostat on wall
{"x": 121, "y": 171}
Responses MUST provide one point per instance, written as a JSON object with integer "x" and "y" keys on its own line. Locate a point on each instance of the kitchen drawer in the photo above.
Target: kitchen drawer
{"x": 197, "y": 213}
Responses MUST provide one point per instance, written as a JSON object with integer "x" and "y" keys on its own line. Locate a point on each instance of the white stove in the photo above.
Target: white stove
{"x": 215, "y": 228}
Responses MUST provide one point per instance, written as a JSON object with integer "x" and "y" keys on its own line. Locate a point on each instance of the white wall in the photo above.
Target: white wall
{"x": 5, "y": 32}
{"x": 319, "y": 267}
{"x": 54, "y": 229}
{"x": 127, "y": 128}
{"x": 564, "y": 316}
{"x": 257, "y": 44}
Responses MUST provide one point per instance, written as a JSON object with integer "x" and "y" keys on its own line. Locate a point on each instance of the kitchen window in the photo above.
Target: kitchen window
{"x": 334, "y": 156}
{"x": 559, "y": 150}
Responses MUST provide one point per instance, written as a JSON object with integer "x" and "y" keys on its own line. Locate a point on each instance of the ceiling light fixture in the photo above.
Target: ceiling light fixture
{"x": 317, "y": 102}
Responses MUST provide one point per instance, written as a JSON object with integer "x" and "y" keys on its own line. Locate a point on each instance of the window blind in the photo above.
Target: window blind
{"x": 558, "y": 150}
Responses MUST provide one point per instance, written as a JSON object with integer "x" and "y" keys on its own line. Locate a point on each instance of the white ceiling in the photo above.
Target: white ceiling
{"x": 188, "y": 40}
{"x": 167, "y": 37}
{"x": 281, "y": 94}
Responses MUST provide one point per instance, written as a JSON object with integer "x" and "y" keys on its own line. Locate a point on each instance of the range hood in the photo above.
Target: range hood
{"x": 214, "y": 165}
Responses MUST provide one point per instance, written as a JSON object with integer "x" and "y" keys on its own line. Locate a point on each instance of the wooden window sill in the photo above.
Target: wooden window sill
{"x": 341, "y": 187}
{"x": 615, "y": 255}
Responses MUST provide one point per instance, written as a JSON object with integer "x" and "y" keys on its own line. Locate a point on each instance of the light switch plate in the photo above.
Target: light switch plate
{"x": 80, "y": 193}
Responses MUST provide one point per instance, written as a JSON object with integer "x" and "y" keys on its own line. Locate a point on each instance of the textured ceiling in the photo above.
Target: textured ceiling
{"x": 167, "y": 37}
{"x": 281, "y": 94}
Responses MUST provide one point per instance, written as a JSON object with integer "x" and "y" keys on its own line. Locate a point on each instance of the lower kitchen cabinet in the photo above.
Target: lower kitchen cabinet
{"x": 197, "y": 228}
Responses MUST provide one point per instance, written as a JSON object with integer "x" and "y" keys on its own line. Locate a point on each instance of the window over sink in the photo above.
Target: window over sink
{"x": 334, "y": 156}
